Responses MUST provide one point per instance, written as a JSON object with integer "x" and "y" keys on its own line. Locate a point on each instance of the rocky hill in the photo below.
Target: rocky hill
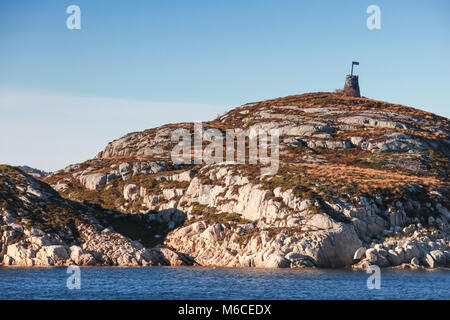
{"x": 39, "y": 228}
{"x": 359, "y": 182}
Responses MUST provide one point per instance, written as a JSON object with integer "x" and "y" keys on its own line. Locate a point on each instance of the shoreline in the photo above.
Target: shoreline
{"x": 348, "y": 268}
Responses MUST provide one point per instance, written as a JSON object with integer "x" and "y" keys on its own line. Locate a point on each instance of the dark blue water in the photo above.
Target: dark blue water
{"x": 219, "y": 283}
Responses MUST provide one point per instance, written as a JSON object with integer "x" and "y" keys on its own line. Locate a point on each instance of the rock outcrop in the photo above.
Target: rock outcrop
{"x": 39, "y": 228}
{"x": 359, "y": 182}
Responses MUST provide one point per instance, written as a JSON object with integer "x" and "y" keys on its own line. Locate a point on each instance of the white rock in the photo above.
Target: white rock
{"x": 359, "y": 254}
{"x": 53, "y": 254}
{"x": 435, "y": 259}
{"x": 130, "y": 192}
{"x": 93, "y": 181}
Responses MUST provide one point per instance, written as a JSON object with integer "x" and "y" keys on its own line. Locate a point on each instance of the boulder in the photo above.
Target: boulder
{"x": 124, "y": 167}
{"x": 435, "y": 259}
{"x": 53, "y": 254}
{"x": 329, "y": 144}
{"x": 19, "y": 253}
{"x": 93, "y": 181}
{"x": 335, "y": 247}
{"x": 377, "y": 257}
{"x": 359, "y": 253}
{"x": 411, "y": 251}
{"x": 130, "y": 192}
{"x": 276, "y": 260}
{"x": 371, "y": 255}
{"x": 393, "y": 258}
{"x": 80, "y": 257}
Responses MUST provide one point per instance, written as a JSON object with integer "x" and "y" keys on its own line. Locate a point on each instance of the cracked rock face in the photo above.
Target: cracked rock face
{"x": 359, "y": 182}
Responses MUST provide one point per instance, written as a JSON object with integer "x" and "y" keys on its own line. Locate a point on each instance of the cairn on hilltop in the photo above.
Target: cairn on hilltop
{"x": 351, "y": 87}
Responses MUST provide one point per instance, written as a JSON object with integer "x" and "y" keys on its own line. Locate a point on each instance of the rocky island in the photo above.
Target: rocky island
{"x": 360, "y": 182}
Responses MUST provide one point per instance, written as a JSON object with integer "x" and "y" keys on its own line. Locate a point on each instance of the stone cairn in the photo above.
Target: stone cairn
{"x": 351, "y": 87}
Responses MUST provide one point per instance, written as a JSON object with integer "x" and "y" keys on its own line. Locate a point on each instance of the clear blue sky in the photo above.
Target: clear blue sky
{"x": 137, "y": 64}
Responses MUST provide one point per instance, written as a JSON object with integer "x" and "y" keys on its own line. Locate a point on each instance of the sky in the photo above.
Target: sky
{"x": 134, "y": 65}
